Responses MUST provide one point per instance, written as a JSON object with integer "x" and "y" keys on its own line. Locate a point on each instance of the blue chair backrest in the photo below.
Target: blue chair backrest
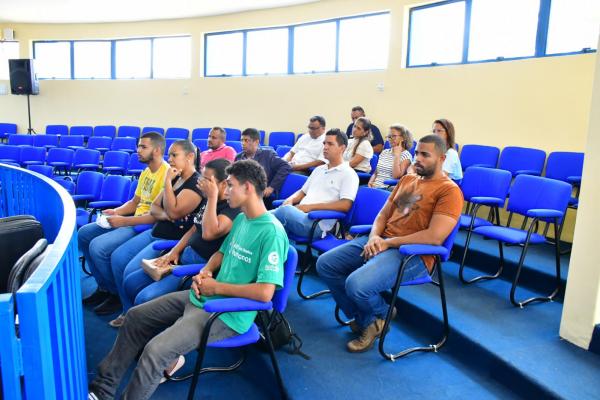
{"x": 156, "y": 129}
{"x": 279, "y": 138}
{"x": 90, "y": 182}
{"x": 67, "y": 184}
{"x": 530, "y": 192}
{"x": 45, "y": 170}
{"x": 129, "y": 131}
{"x": 62, "y": 130}
{"x": 7, "y": 128}
{"x": 374, "y": 161}
{"x": 177, "y": 133}
{"x": 479, "y": 155}
{"x": 30, "y": 153}
{"x": 105, "y": 130}
{"x": 485, "y": 182}
{"x": 413, "y": 148}
{"x": 563, "y": 164}
{"x": 202, "y": 144}
{"x": 261, "y": 135}
{"x": 123, "y": 143}
{"x": 115, "y": 187}
{"x": 282, "y": 150}
{"x": 200, "y": 133}
{"x": 135, "y": 163}
{"x": 168, "y": 143}
{"x": 280, "y": 297}
{"x": 237, "y": 145}
{"x": 132, "y": 188}
{"x": 99, "y": 142}
{"x": 449, "y": 242}
{"x": 233, "y": 134}
{"x": 85, "y": 131}
{"x": 45, "y": 140}
{"x": 72, "y": 140}
{"x": 86, "y": 156}
{"x": 292, "y": 183}
{"x": 116, "y": 158}
{"x": 10, "y": 152}
{"x": 515, "y": 159}
{"x": 20, "y": 140}
{"x": 367, "y": 204}
{"x": 60, "y": 155}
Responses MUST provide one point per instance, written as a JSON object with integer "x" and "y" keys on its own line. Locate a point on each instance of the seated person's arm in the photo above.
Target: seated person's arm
{"x": 288, "y": 157}
{"x": 253, "y": 291}
{"x": 213, "y": 226}
{"x": 295, "y": 198}
{"x": 377, "y": 148}
{"x": 126, "y": 209}
{"x": 400, "y": 169}
{"x": 371, "y": 182}
{"x": 122, "y": 216}
{"x": 181, "y": 205}
{"x": 342, "y": 205}
{"x": 172, "y": 257}
{"x": 355, "y": 160}
{"x": 156, "y": 209}
{"x": 306, "y": 166}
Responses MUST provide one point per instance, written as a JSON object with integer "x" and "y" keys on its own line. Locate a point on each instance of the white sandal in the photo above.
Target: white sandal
{"x": 180, "y": 363}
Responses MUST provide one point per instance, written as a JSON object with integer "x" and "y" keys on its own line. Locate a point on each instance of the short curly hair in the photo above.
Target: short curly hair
{"x": 249, "y": 171}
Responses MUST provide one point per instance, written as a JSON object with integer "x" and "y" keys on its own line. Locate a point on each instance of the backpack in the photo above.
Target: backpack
{"x": 282, "y": 334}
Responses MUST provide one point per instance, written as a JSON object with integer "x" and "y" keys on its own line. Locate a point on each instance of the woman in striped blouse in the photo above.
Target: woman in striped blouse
{"x": 393, "y": 162}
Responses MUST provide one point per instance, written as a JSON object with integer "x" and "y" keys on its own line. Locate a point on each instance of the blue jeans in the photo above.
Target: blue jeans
{"x": 294, "y": 221}
{"x": 97, "y": 244}
{"x": 139, "y": 288}
{"x": 356, "y": 285}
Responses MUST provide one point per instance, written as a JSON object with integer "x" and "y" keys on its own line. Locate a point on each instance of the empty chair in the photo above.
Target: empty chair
{"x": 100, "y": 143}
{"x": 282, "y": 150}
{"x": 115, "y": 190}
{"x": 127, "y": 144}
{"x": 475, "y": 155}
{"x": 7, "y": 129}
{"x": 67, "y": 184}
{"x": 522, "y": 160}
{"x": 567, "y": 167}
{"x": 60, "y": 159}
{"x": 135, "y": 166}
{"x": 46, "y": 141}
{"x": 10, "y": 154}
{"x": 261, "y": 141}
{"x": 156, "y": 129}
{"x": 86, "y": 159}
{"x": 88, "y": 187}
{"x": 115, "y": 162}
{"x": 237, "y": 145}
{"x": 82, "y": 130}
{"x": 177, "y": 133}
{"x": 105, "y": 130}
{"x": 45, "y": 170}
{"x": 72, "y": 142}
{"x": 20, "y": 140}
{"x": 32, "y": 155}
{"x": 129, "y": 131}
{"x": 60, "y": 130}
{"x": 278, "y": 138}
{"x": 201, "y": 144}
{"x": 233, "y": 134}
{"x": 200, "y": 133}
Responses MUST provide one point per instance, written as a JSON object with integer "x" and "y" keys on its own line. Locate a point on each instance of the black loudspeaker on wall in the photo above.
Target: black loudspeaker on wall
{"x": 22, "y": 77}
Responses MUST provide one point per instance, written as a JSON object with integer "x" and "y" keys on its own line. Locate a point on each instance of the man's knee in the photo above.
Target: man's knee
{"x": 356, "y": 288}
{"x": 324, "y": 265}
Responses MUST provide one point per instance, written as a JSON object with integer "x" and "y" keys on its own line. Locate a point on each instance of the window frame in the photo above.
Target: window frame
{"x": 18, "y": 55}
{"x": 290, "y": 55}
{"x": 543, "y": 24}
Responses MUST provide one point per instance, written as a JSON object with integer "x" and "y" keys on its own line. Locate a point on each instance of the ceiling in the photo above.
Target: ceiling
{"x": 86, "y": 11}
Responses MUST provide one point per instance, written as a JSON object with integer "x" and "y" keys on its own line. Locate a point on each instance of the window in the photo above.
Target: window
{"x": 133, "y": 59}
{"x": 8, "y": 51}
{"x": 224, "y": 54}
{"x": 372, "y": 33}
{"x": 315, "y": 47}
{"x": 92, "y": 60}
{"x": 491, "y": 37}
{"x": 573, "y": 26}
{"x": 267, "y": 51}
{"x": 436, "y": 34}
{"x": 52, "y": 60}
{"x": 172, "y": 57}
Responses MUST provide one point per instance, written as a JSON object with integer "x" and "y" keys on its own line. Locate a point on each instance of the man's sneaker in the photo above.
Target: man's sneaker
{"x": 368, "y": 336}
{"x": 96, "y": 298}
{"x": 111, "y": 305}
{"x": 173, "y": 368}
{"x": 117, "y": 322}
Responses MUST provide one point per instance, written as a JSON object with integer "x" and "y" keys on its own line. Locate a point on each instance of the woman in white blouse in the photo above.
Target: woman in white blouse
{"x": 452, "y": 167}
{"x": 359, "y": 151}
{"x": 393, "y": 162}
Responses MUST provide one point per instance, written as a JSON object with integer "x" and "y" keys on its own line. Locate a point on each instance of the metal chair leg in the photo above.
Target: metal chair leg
{"x": 263, "y": 321}
{"x": 339, "y": 319}
{"x": 85, "y": 271}
{"x": 307, "y": 267}
{"x": 201, "y": 351}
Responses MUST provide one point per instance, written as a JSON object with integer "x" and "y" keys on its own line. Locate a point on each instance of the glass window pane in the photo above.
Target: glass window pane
{"x": 172, "y": 57}
{"x": 92, "y": 60}
{"x": 364, "y": 43}
{"x": 53, "y": 60}
{"x": 132, "y": 59}
{"x": 492, "y": 37}
{"x": 224, "y": 54}
{"x": 436, "y": 34}
{"x": 573, "y": 26}
{"x": 267, "y": 51}
{"x": 8, "y": 51}
{"x": 314, "y": 47}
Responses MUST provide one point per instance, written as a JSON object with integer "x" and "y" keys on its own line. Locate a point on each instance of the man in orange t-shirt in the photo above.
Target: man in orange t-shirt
{"x": 422, "y": 209}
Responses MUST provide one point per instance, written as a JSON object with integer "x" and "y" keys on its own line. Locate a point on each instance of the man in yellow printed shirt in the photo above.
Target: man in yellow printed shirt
{"x": 98, "y": 243}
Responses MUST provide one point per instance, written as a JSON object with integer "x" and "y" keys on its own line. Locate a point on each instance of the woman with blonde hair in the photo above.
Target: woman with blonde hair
{"x": 393, "y": 162}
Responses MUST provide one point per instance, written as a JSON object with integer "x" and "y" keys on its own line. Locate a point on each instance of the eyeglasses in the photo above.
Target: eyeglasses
{"x": 313, "y": 128}
{"x": 393, "y": 136}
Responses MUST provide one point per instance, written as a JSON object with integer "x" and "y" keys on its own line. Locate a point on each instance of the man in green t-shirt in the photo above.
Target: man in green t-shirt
{"x": 249, "y": 264}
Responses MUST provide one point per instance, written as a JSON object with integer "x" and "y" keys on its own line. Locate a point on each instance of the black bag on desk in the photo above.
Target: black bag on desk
{"x": 18, "y": 234}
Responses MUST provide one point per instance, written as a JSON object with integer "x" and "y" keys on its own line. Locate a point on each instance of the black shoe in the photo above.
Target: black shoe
{"x": 96, "y": 298}
{"x": 109, "y": 306}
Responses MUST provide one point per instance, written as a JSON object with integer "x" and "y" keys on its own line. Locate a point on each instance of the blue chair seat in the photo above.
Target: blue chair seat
{"x": 328, "y": 243}
{"x": 363, "y": 175}
{"x": 160, "y": 245}
{"x": 297, "y": 239}
{"x": 465, "y": 222}
{"x": 508, "y": 235}
{"x": 251, "y": 336}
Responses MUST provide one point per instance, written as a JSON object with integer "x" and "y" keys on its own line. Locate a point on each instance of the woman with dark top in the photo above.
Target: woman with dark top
{"x": 174, "y": 209}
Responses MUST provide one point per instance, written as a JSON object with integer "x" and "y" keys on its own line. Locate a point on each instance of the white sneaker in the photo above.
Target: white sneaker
{"x": 180, "y": 363}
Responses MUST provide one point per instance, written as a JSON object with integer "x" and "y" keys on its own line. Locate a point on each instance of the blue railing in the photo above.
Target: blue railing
{"x": 46, "y": 358}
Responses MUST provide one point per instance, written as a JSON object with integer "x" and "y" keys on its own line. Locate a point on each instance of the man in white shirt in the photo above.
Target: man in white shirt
{"x": 330, "y": 187}
{"x": 308, "y": 150}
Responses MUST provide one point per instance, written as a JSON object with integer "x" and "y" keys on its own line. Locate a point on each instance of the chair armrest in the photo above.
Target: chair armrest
{"x": 142, "y": 228}
{"x": 544, "y": 213}
{"x": 574, "y": 179}
{"x": 360, "y": 229}
{"x": 277, "y": 203}
{"x": 363, "y": 175}
{"x": 187, "y": 270}
{"x": 423, "y": 250}
{"x": 527, "y": 172}
{"x": 487, "y": 201}
{"x": 326, "y": 214}
{"x": 164, "y": 244}
{"x": 105, "y": 204}
{"x": 81, "y": 197}
{"x": 390, "y": 182}
{"x": 233, "y": 304}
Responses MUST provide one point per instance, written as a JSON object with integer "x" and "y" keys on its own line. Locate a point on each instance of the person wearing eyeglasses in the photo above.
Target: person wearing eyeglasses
{"x": 308, "y": 150}
{"x": 452, "y": 167}
{"x": 376, "y": 138}
{"x": 393, "y": 162}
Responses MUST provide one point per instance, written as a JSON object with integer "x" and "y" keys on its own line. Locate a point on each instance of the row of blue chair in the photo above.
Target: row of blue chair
{"x": 74, "y": 142}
